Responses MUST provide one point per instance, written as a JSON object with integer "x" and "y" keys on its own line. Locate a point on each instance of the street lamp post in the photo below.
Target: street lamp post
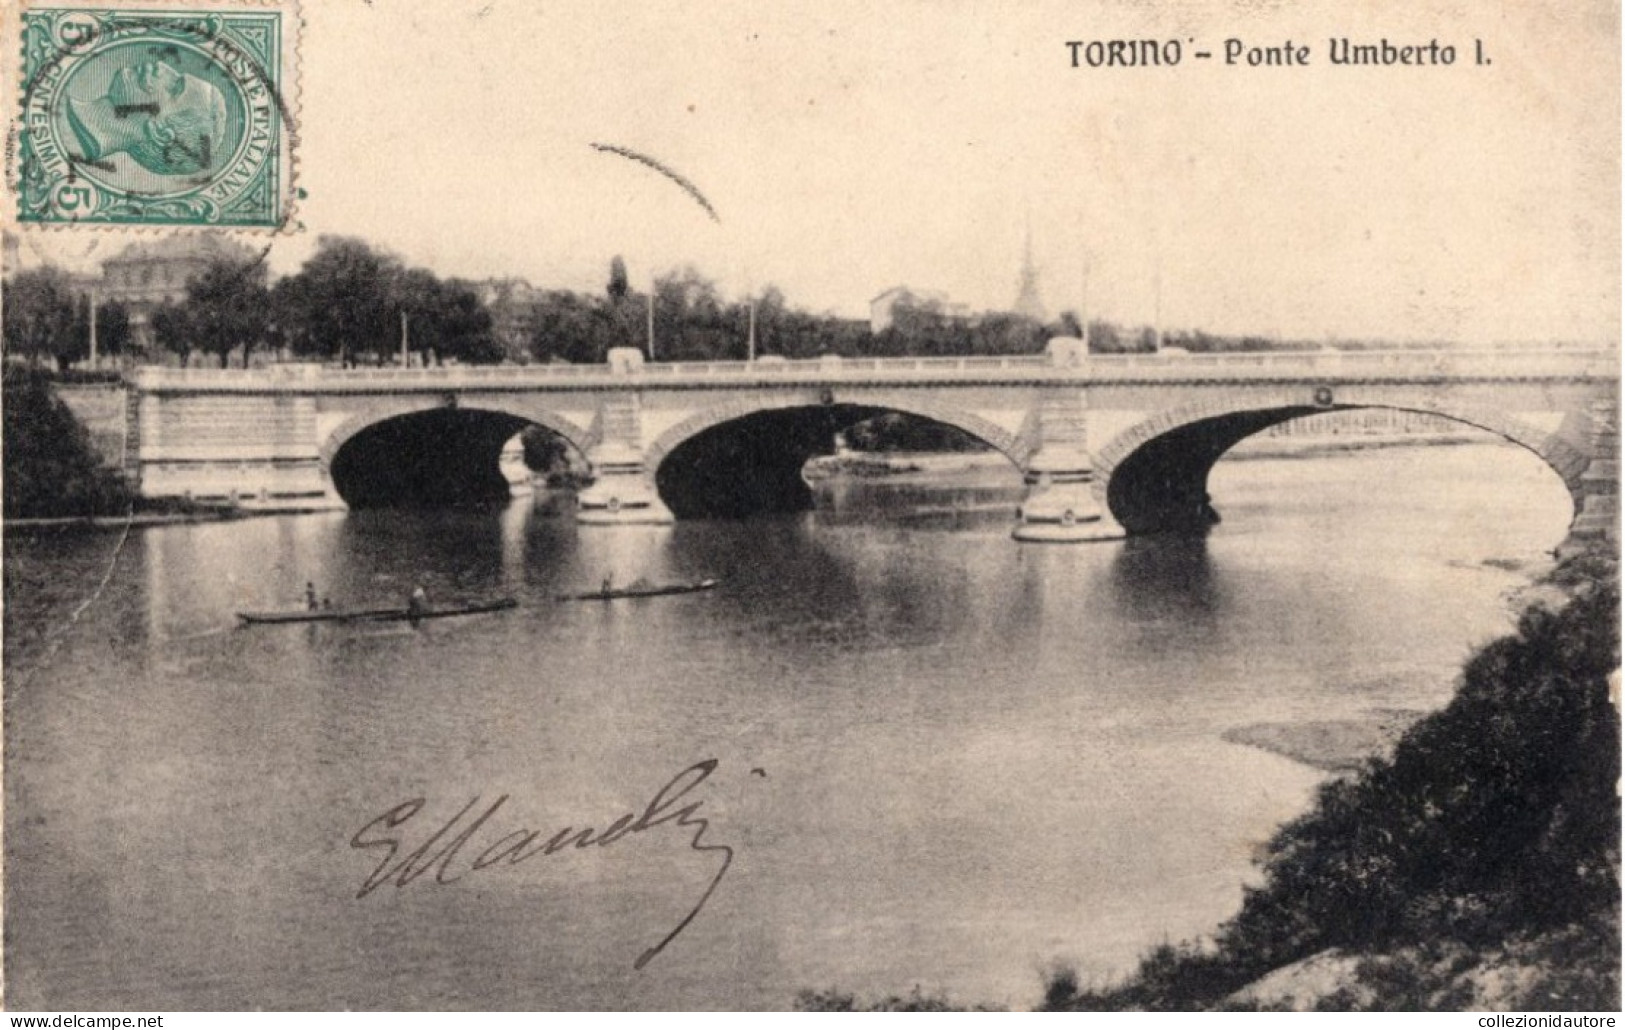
{"x": 651, "y": 323}
{"x": 92, "y": 327}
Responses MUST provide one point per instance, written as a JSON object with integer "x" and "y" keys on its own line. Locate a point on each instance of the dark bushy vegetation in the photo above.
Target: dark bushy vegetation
{"x": 895, "y": 431}
{"x": 82, "y": 376}
{"x": 1571, "y": 968}
{"x": 1494, "y": 825}
{"x": 914, "y": 1001}
{"x": 50, "y": 468}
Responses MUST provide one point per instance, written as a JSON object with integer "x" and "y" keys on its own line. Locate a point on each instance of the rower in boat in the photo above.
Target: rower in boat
{"x": 640, "y": 587}
{"x": 378, "y": 614}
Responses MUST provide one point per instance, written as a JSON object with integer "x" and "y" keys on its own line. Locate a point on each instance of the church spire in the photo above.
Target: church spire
{"x": 1028, "y": 304}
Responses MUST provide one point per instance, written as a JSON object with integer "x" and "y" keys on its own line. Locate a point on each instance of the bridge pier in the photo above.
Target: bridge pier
{"x": 623, "y": 492}
{"x": 1598, "y": 519}
{"x": 621, "y": 495}
{"x": 1062, "y": 505}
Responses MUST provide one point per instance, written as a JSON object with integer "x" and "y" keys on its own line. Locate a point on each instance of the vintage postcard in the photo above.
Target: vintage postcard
{"x": 836, "y": 506}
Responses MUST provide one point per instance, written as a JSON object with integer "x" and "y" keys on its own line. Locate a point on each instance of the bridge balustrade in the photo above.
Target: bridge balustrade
{"x": 1154, "y": 367}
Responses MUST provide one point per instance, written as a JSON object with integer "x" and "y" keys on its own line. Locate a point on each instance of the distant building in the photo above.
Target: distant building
{"x": 145, "y": 275}
{"x": 512, "y": 304}
{"x": 884, "y": 307}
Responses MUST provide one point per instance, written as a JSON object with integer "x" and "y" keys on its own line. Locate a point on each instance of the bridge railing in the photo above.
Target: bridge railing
{"x": 1160, "y": 367}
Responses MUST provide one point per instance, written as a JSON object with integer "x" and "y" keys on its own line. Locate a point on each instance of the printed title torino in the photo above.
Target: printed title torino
{"x": 1163, "y": 53}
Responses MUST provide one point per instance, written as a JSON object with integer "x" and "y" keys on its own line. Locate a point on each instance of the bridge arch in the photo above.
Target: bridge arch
{"x": 1015, "y": 446}
{"x": 335, "y": 438}
{"x": 1155, "y": 473}
{"x": 428, "y": 450}
{"x": 702, "y": 469}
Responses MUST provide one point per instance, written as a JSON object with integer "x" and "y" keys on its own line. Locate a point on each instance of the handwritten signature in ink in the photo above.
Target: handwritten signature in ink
{"x": 441, "y": 851}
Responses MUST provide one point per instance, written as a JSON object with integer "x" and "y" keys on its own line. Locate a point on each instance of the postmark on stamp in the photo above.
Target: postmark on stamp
{"x": 136, "y": 116}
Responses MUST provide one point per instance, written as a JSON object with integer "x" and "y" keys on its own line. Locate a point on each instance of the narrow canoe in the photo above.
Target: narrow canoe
{"x": 652, "y": 590}
{"x": 375, "y": 614}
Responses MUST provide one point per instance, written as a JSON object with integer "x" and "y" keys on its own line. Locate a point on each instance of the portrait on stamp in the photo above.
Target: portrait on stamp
{"x": 148, "y": 118}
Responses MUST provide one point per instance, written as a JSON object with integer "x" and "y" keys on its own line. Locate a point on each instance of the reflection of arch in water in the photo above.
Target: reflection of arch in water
{"x": 435, "y": 455}
{"x": 452, "y": 552}
{"x": 745, "y": 457}
{"x": 1157, "y": 471}
{"x": 850, "y": 591}
{"x": 1163, "y": 578}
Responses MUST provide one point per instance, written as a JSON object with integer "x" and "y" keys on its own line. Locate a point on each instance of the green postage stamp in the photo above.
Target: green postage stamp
{"x": 150, "y": 116}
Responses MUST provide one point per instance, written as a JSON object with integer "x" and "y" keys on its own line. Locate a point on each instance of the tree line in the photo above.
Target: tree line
{"x": 691, "y": 321}
{"x": 352, "y": 303}
{"x": 48, "y": 319}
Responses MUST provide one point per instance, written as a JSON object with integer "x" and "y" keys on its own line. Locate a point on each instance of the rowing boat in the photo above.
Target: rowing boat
{"x": 642, "y": 590}
{"x": 375, "y": 614}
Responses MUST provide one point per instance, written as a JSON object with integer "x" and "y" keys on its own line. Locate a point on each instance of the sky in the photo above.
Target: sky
{"x": 850, "y": 147}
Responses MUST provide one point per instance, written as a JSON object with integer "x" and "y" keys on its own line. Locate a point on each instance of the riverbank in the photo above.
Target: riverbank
{"x": 876, "y": 464}
{"x": 1469, "y": 860}
{"x": 1330, "y": 745}
{"x": 1265, "y": 446}
{"x": 1461, "y": 859}
{"x": 135, "y": 520}
{"x": 1344, "y": 746}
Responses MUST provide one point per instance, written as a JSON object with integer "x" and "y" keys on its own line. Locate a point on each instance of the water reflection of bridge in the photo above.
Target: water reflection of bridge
{"x": 1107, "y": 444}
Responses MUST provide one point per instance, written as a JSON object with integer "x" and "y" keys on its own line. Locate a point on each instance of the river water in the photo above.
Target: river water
{"x": 944, "y": 759}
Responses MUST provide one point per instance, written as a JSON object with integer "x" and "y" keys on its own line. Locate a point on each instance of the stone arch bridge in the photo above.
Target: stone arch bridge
{"x": 1106, "y": 444}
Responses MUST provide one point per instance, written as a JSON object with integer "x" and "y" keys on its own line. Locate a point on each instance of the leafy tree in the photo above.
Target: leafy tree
{"x": 446, "y": 319}
{"x": 772, "y": 322}
{"x": 173, "y": 328}
{"x": 1104, "y": 337}
{"x": 785, "y": 331}
{"x": 574, "y": 328}
{"x": 924, "y": 326}
{"x": 545, "y": 450}
{"x": 227, "y": 307}
{"x": 1000, "y": 334}
{"x": 896, "y": 431}
{"x": 415, "y": 293}
{"x": 41, "y": 321}
{"x": 51, "y": 469}
{"x": 617, "y": 280}
{"x": 288, "y": 329}
{"x": 76, "y": 344}
{"x": 919, "y": 327}
{"x": 691, "y": 322}
{"x": 342, "y": 303}
{"x": 113, "y": 333}
{"x": 1511, "y": 784}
